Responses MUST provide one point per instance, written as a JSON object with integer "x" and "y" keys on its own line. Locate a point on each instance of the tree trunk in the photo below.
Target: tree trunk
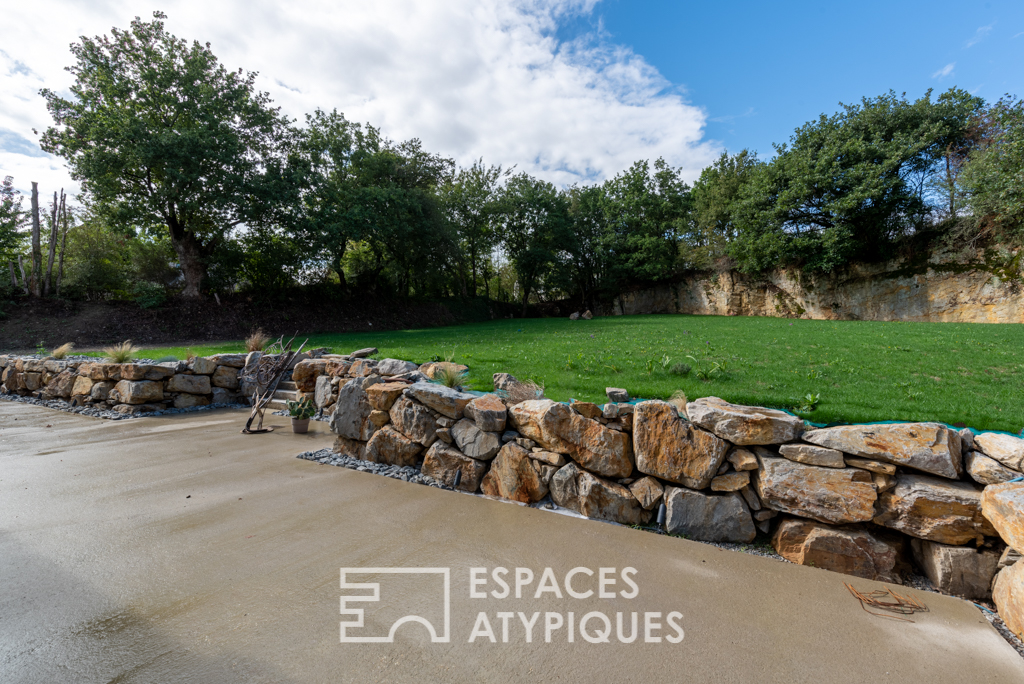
{"x": 24, "y": 280}
{"x": 14, "y": 276}
{"x": 339, "y": 269}
{"x": 37, "y": 253}
{"x": 190, "y": 258}
{"x": 526, "y": 300}
{"x": 63, "y": 245}
{"x": 54, "y": 215}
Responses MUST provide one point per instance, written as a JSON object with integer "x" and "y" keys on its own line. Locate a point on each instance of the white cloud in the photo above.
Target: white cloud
{"x": 979, "y": 35}
{"x": 944, "y": 71}
{"x": 471, "y": 79}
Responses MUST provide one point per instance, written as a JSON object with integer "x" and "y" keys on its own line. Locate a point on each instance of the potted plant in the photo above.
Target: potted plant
{"x": 301, "y": 411}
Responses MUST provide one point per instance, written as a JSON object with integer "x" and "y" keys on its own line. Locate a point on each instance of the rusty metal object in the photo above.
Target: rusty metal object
{"x": 904, "y": 605}
{"x": 266, "y": 376}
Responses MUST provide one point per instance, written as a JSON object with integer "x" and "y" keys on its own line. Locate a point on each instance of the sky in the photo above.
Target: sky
{"x": 572, "y": 91}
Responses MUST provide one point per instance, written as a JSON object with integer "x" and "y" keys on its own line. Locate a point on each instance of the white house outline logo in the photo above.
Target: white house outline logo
{"x": 374, "y": 597}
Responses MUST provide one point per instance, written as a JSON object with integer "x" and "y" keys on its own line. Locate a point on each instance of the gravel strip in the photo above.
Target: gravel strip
{"x": 61, "y": 405}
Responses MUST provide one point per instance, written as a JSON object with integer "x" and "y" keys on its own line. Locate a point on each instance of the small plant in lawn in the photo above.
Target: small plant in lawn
{"x": 41, "y": 349}
{"x": 809, "y": 403}
{"x": 122, "y": 353}
{"x": 257, "y": 340}
{"x": 814, "y": 374}
{"x": 680, "y": 369}
{"x": 189, "y": 354}
{"x": 649, "y": 366}
{"x": 666, "y": 362}
{"x": 707, "y": 373}
{"x": 301, "y": 409}
{"x": 63, "y": 350}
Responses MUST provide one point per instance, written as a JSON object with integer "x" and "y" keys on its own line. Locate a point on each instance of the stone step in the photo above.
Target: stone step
{"x": 290, "y": 395}
{"x": 277, "y": 405}
{"x": 287, "y": 385}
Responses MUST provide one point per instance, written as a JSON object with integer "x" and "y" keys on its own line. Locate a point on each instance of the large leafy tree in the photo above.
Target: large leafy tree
{"x": 472, "y": 199}
{"x": 161, "y": 134}
{"x": 993, "y": 177}
{"x": 11, "y": 218}
{"x": 715, "y": 195}
{"x": 847, "y": 185}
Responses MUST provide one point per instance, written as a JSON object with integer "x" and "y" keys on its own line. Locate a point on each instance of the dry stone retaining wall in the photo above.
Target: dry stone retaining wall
{"x": 867, "y": 500}
{"x": 127, "y": 388}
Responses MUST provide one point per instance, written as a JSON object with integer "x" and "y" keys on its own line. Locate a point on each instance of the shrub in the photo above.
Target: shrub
{"x": 680, "y": 369}
{"x": 122, "y": 353}
{"x": 256, "y": 341}
{"x": 63, "y": 350}
{"x": 148, "y": 295}
{"x": 450, "y": 375}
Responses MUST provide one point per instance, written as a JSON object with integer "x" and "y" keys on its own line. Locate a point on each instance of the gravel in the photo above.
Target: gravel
{"x": 61, "y": 405}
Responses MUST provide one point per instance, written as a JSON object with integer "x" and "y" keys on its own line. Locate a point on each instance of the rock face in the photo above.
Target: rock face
{"x": 708, "y": 517}
{"x": 672, "y": 449}
{"x": 987, "y": 471}
{"x": 592, "y": 496}
{"x": 203, "y": 366}
{"x": 383, "y": 395}
{"x": 648, "y": 491}
{"x": 1006, "y": 449}
{"x": 226, "y": 377}
{"x": 813, "y": 455}
{"x": 82, "y": 386}
{"x": 933, "y": 509}
{"x": 192, "y": 384}
{"x": 929, "y": 447}
{"x": 1003, "y": 507}
{"x": 306, "y": 372}
{"x": 442, "y": 462}
{"x": 414, "y": 421}
{"x": 351, "y": 411}
{"x": 139, "y": 391}
{"x": 474, "y": 442}
{"x": 488, "y": 412}
{"x": 389, "y": 367}
{"x": 851, "y": 550}
{"x": 1008, "y": 595}
{"x": 512, "y": 476}
{"x": 444, "y": 400}
{"x": 390, "y": 446}
{"x": 744, "y": 425}
{"x": 323, "y": 395}
{"x": 62, "y": 385}
{"x": 958, "y": 570}
{"x": 830, "y": 495}
{"x": 558, "y": 428}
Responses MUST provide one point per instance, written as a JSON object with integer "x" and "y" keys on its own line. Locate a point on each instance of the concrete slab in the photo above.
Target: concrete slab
{"x": 175, "y": 549}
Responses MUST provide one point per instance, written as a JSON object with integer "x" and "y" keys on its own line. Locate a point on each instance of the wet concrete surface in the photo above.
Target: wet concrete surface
{"x": 177, "y": 550}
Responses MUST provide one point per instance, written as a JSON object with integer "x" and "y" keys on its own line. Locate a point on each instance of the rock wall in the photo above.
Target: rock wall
{"x": 874, "y": 501}
{"x": 128, "y": 388}
{"x": 973, "y": 290}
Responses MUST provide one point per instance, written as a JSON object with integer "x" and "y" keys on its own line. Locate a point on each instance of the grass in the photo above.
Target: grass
{"x": 859, "y": 371}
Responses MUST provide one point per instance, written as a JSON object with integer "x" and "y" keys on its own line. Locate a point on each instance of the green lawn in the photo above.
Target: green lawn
{"x": 863, "y": 371}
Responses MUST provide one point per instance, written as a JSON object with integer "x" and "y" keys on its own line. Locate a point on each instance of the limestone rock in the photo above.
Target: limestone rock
{"x": 616, "y": 394}
{"x": 586, "y": 315}
{"x": 201, "y": 365}
{"x": 753, "y": 500}
{"x": 488, "y": 412}
{"x": 933, "y": 509}
{"x": 548, "y": 457}
{"x": 219, "y": 395}
{"x": 813, "y": 455}
{"x": 742, "y": 459}
{"x": 432, "y": 369}
{"x": 146, "y": 371}
{"x": 557, "y": 428}
{"x": 474, "y": 442}
{"x": 363, "y": 353}
{"x": 362, "y": 368}
{"x": 929, "y": 447}
{"x": 94, "y": 371}
{"x": 1003, "y": 507}
{"x": 101, "y": 390}
{"x": 873, "y": 466}
{"x": 1008, "y": 595}
{"x": 595, "y": 497}
{"x": 414, "y": 421}
{"x": 323, "y": 395}
{"x": 1006, "y": 449}
{"x": 731, "y": 482}
{"x": 410, "y": 378}
{"x": 351, "y": 410}
{"x": 958, "y": 570}
{"x": 445, "y": 435}
{"x": 512, "y": 476}
{"x": 382, "y": 396}
{"x": 389, "y": 367}
{"x": 883, "y": 482}
{"x": 830, "y": 495}
{"x": 574, "y": 316}
{"x": 442, "y": 462}
{"x": 379, "y": 418}
{"x": 444, "y": 400}
{"x": 192, "y": 384}
{"x": 648, "y": 491}
{"x": 231, "y": 360}
{"x": 672, "y": 449}
{"x": 184, "y": 400}
{"x": 1009, "y": 557}
{"x": 587, "y": 409}
{"x": 388, "y": 445}
{"x": 350, "y": 447}
{"x": 985, "y": 470}
{"x": 63, "y": 384}
{"x": 82, "y": 386}
{"x": 708, "y": 517}
{"x": 744, "y": 425}
{"x": 851, "y": 550}
{"x": 139, "y": 391}
{"x": 226, "y": 377}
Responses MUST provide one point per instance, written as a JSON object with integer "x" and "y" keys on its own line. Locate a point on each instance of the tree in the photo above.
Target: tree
{"x": 159, "y": 132}
{"x": 714, "y": 200}
{"x": 848, "y": 185}
{"x": 12, "y": 216}
{"x": 534, "y": 224}
{"x": 583, "y": 258}
{"x": 471, "y": 200}
{"x": 993, "y": 177}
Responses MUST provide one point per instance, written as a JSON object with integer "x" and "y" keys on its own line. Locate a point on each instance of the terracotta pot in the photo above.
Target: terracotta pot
{"x": 300, "y": 425}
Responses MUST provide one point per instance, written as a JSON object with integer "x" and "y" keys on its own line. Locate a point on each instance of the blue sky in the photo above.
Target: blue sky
{"x": 761, "y": 69}
{"x": 572, "y": 91}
